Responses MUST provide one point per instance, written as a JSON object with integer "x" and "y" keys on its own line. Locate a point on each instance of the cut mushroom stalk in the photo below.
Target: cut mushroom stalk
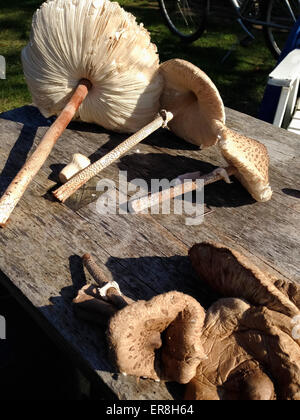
{"x": 78, "y": 163}
{"x": 18, "y": 186}
{"x": 66, "y": 190}
{"x": 170, "y": 193}
{"x": 108, "y": 290}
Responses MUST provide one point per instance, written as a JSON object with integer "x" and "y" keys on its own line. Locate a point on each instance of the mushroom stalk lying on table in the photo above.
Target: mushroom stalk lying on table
{"x": 195, "y": 112}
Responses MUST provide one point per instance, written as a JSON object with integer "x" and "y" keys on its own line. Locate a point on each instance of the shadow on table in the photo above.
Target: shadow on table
{"x": 146, "y": 166}
{"x": 291, "y": 192}
{"x": 19, "y": 152}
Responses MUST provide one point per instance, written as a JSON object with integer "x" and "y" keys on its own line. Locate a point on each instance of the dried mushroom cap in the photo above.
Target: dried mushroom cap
{"x": 135, "y": 333}
{"x": 231, "y": 274}
{"x": 99, "y": 41}
{"x": 249, "y": 383}
{"x": 246, "y": 346}
{"x": 225, "y": 355}
{"x": 193, "y": 99}
{"x": 268, "y": 336}
{"x": 250, "y": 158}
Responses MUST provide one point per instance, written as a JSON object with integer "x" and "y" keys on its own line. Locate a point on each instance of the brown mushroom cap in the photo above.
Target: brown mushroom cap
{"x": 268, "y": 336}
{"x": 250, "y": 158}
{"x": 249, "y": 383}
{"x": 193, "y": 99}
{"x": 233, "y": 275}
{"x": 225, "y": 353}
{"x": 246, "y": 345}
{"x": 134, "y": 335}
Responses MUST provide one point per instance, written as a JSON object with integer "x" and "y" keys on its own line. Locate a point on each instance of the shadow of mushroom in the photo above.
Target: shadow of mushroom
{"x": 291, "y": 192}
{"x": 86, "y": 339}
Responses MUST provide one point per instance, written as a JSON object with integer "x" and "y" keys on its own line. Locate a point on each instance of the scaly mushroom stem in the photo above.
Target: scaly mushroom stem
{"x": 66, "y": 190}
{"x": 113, "y": 294}
{"x": 170, "y": 193}
{"x": 18, "y": 186}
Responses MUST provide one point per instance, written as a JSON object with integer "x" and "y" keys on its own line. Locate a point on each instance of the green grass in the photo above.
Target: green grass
{"x": 241, "y": 79}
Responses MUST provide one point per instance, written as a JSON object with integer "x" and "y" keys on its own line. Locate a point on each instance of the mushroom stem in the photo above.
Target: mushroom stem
{"x": 66, "y": 190}
{"x": 170, "y": 193}
{"x": 113, "y": 295}
{"x": 89, "y": 307}
{"x": 78, "y": 163}
{"x": 18, "y": 186}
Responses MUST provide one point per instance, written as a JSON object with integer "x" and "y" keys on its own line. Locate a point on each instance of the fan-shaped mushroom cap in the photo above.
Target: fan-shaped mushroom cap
{"x": 233, "y": 275}
{"x": 135, "y": 333}
{"x": 193, "y": 99}
{"x": 250, "y": 158}
{"x": 99, "y": 41}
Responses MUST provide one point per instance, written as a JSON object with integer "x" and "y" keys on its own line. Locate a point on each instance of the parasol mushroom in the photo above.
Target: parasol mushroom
{"x": 86, "y": 59}
{"x": 195, "y": 112}
{"x": 189, "y": 99}
{"x": 249, "y": 346}
{"x": 176, "y": 319}
{"x": 136, "y": 330}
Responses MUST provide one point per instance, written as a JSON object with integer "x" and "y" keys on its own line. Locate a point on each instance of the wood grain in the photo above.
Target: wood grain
{"x": 147, "y": 254}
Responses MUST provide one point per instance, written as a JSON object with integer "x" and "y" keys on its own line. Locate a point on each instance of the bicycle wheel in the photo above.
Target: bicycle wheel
{"x": 185, "y": 18}
{"x": 283, "y": 13}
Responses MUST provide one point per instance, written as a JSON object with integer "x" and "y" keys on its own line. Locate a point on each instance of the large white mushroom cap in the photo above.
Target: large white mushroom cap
{"x": 99, "y": 41}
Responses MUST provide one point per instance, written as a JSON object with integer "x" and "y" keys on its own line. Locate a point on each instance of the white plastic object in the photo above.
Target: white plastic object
{"x": 286, "y": 75}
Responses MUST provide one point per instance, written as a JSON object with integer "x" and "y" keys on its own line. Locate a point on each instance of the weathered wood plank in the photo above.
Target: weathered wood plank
{"x": 147, "y": 254}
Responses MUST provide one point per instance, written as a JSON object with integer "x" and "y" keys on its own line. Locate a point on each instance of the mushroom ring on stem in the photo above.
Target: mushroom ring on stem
{"x": 196, "y": 113}
{"x": 98, "y": 42}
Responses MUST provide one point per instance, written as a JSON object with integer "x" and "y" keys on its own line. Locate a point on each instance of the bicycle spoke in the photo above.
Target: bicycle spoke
{"x": 182, "y": 14}
{"x": 281, "y": 16}
{"x": 290, "y": 9}
{"x": 185, "y": 18}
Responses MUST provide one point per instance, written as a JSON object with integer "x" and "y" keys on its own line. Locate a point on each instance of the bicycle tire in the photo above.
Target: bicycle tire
{"x": 185, "y": 18}
{"x": 277, "y": 12}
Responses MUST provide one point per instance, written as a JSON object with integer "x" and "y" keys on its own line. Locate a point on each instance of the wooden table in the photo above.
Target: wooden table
{"x": 147, "y": 254}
